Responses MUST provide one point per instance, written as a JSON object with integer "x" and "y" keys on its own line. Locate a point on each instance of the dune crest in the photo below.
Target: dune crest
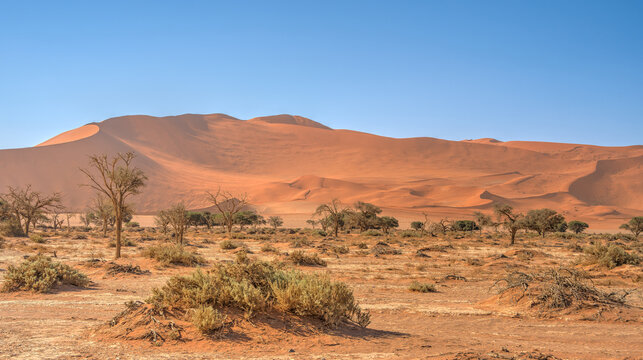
{"x": 290, "y": 164}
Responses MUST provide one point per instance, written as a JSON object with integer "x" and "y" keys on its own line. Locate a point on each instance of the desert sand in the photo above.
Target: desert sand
{"x": 290, "y": 164}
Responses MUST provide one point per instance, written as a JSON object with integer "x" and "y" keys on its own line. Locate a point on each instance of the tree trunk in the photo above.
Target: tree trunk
{"x": 119, "y": 224}
{"x": 104, "y": 227}
{"x": 513, "y": 237}
{"x": 27, "y": 225}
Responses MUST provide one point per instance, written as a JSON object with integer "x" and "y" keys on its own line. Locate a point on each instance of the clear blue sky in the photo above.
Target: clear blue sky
{"x": 568, "y": 71}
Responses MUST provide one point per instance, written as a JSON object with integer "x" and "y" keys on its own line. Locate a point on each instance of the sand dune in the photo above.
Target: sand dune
{"x": 289, "y": 164}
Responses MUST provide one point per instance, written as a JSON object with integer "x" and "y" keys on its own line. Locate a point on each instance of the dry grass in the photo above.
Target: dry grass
{"x": 168, "y": 254}
{"x": 299, "y": 257}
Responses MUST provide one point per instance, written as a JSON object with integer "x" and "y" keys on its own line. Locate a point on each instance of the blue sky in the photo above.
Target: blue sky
{"x": 567, "y": 71}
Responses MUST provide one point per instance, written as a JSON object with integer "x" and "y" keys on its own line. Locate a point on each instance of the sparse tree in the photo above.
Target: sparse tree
{"x": 312, "y": 223}
{"x": 387, "y": 223}
{"x": 103, "y": 213}
{"x": 577, "y": 226}
{"x": 28, "y": 206}
{"x": 162, "y": 220}
{"x": 635, "y": 225}
{"x": 228, "y": 205}
{"x": 117, "y": 178}
{"x": 178, "y": 219}
{"x": 482, "y": 220}
{"x": 275, "y": 221}
{"x": 246, "y": 217}
{"x": 511, "y": 220}
{"x": 333, "y": 212}
{"x": 87, "y": 217}
{"x": 57, "y": 219}
{"x": 417, "y": 225}
{"x": 465, "y": 225}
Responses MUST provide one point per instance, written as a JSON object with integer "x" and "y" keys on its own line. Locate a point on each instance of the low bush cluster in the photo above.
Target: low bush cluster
{"x": 39, "y": 273}
{"x": 299, "y": 257}
{"x": 609, "y": 256}
{"x": 255, "y": 286}
{"x": 168, "y": 254}
{"x": 422, "y": 287}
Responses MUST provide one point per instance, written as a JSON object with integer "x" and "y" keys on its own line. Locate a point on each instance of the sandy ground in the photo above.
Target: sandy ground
{"x": 455, "y": 320}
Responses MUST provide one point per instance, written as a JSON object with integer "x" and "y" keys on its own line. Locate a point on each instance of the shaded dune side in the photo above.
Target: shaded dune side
{"x": 616, "y": 182}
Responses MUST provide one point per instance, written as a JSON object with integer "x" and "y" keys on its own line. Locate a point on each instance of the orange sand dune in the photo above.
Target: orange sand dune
{"x": 289, "y": 164}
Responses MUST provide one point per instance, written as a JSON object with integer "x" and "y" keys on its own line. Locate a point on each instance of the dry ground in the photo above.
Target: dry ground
{"x": 459, "y": 321}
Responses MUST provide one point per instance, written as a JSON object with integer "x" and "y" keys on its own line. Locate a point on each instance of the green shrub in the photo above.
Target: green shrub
{"x": 422, "y": 287}
{"x": 39, "y": 273}
{"x": 254, "y": 286}
{"x": 168, "y": 254}
{"x": 38, "y": 239}
{"x": 132, "y": 224}
{"x": 299, "y": 257}
{"x": 319, "y": 233}
{"x": 228, "y": 245}
{"x": 372, "y": 232}
{"x": 609, "y": 256}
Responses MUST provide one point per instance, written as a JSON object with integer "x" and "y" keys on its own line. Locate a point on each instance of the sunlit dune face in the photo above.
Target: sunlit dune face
{"x": 72, "y": 135}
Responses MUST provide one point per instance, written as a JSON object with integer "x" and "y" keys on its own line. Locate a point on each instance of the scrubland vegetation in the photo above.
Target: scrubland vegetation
{"x": 217, "y": 277}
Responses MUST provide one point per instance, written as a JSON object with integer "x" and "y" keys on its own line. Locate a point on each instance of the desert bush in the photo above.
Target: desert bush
{"x": 228, "y": 245}
{"x": 609, "y": 256}
{"x": 409, "y": 233}
{"x": 37, "y": 238}
{"x": 238, "y": 236}
{"x": 208, "y": 320}
{"x": 39, "y": 273}
{"x": 422, "y": 287}
{"x": 299, "y": 257}
{"x": 300, "y": 242}
{"x": 11, "y": 228}
{"x": 362, "y": 245}
{"x": 124, "y": 242}
{"x": 621, "y": 237}
{"x": 372, "y": 232}
{"x": 254, "y": 286}
{"x": 465, "y": 225}
{"x": 132, "y": 224}
{"x": 168, "y": 254}
{"x": 81, "y": 237}
{"x": 319, "y": 233}
{"x": 269, "y": 248}
{"x": 382, "y": 248}
{"x": 339, "y": 249}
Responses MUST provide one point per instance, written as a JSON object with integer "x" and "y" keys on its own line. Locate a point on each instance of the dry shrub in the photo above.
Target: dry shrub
{"x": 609, "y": 256}
{"x": 228, "y": 245}
{"x": 299, "y": 257}
{"x": 269, "y": 249}
{"x": 113, "y": 269}
{"x": 173, "y": 254}
{"x": 253, "y": 287}
{"x": 422, "y": 287}
{"x": 382, "y": 248}
{"x": 39, "y": 273}
{"x": 300, "y": 242}
{"x": 558, "y": 289}
{"x": 208, "y": 320}
{"x": 38, "y": 239}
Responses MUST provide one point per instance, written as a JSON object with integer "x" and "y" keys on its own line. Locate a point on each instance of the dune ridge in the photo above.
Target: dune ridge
{"x": 289, "y": 164}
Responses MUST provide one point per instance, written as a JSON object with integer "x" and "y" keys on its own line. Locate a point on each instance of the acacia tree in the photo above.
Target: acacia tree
{"x": 365, "y": 215}
{"x": 312, "y": 222}
{"x": 29, "y": 206}
{"x": 387, "y": 223}
{"x": 635, "y": 225}
{"x": 178, "y": 220}
{"x": 334, "y": 213}
{"x": 511, "y": 220}
{"x": 544, "y": 220}
{"x": 482, "y": 220}
{"x": 228, "y": 205}
{"x": 118, "y": 179}
{"x": 577, "y": 226}
{"x": 275, "y": 221}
